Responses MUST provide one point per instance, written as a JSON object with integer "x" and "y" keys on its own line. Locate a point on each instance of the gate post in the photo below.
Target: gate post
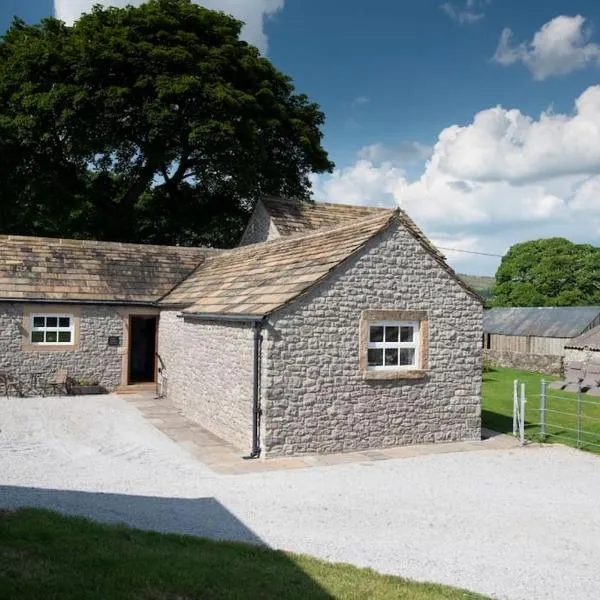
{"x": 543, "y": 408}
{"x": 579, "y": 416}
{"x": 515, "y": 405}
{"x": 522, "y": 423}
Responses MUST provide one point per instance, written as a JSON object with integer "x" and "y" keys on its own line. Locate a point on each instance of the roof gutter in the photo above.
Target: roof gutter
{"x": 222, "y": 317}
{"x": 257, "y": 325}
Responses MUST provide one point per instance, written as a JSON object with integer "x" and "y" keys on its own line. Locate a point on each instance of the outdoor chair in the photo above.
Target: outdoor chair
{"x": 60, "y": 384}
{"x": 573, "y": 377}
{"x": 8, "y": 382}
{"x": 592, "y": 377}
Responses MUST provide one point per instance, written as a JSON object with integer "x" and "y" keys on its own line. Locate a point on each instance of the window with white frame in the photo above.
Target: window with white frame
{"x": 52, "y": 329}
{"x": 393, "y": 345}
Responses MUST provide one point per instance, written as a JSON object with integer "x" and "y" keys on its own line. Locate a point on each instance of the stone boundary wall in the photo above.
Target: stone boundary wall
{"x": 541, "y": 363}
{"x": 581, "y": 355}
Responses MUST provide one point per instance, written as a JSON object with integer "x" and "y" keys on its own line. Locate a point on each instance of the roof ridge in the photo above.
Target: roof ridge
{"x": 314, "y": 202}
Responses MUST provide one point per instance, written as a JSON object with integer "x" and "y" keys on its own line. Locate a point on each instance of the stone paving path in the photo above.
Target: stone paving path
{"x": 226, "y": 459}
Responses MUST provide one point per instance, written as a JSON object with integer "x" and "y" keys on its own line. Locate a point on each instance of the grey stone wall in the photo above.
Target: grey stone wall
{"x": 584, "y": 356}
{"x": 92, "y": 359}
{"x": 540, "y": 363}
{"x": 208, "y": 367}
{"x": 314, "y": 398}
{"x": 260, "y": 227}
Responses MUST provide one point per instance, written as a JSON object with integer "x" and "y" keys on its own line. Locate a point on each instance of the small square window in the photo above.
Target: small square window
{"x": 393, "y": 345}
{"x": 51, "y": 330}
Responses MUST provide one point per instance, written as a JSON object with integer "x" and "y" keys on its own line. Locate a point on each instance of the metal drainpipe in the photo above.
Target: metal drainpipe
{"x": 256, "y": 410}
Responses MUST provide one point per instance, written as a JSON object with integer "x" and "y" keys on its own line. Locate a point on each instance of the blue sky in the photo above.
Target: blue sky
{"x": 435, "y": 106}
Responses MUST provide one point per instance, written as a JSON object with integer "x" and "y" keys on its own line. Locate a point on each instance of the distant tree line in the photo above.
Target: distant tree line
{"x": 548, "y": 272}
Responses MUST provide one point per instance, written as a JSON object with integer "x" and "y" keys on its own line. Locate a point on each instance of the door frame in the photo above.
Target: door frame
{"x": 130, "y": 347}
{"x": 126, "y": 314}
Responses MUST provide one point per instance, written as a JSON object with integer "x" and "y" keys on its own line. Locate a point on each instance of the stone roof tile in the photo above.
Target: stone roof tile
{"x": 48, "y": 269}
{"x": 271, "y": 274}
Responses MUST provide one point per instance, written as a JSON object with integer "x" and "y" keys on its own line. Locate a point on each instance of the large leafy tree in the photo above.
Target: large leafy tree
{"x": 147, "y": 124}
{"x": 548, "y": 272}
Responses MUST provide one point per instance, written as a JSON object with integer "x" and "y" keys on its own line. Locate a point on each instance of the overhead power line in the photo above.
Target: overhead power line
{"x": 471, "y": 252}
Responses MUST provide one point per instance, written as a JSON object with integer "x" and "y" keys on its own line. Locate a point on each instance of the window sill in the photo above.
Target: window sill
{"x": 394, "y": 374}
{"x": 49, "y": 347}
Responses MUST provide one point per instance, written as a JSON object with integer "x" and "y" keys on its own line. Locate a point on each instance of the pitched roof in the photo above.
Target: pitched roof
{"x": 33, "y": 268}
{"x": 545, "y": 321}
{"x": 260, "y": 278}
{"x": 590, "y": 339}
{"x": 292, "y": 217}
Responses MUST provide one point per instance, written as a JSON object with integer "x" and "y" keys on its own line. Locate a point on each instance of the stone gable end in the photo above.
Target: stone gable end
{"x": 315, "y": 398}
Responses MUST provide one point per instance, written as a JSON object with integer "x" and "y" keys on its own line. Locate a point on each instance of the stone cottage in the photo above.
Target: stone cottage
{"x": 331, "y": 328}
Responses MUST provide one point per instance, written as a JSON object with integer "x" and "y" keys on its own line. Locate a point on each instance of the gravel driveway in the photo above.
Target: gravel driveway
{"x": 519, "y": 524}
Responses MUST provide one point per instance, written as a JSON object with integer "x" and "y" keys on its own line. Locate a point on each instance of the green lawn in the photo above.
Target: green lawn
{"x": 497, "y": 409}
{"x": 49, "y": 556}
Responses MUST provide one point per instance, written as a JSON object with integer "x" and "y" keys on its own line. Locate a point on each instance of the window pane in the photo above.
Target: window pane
{"x": 51, "y": 322}
{"x": 375, "y": 357}
{"x": 38, "y": 321}
{"x": 406, "y": 334}
{"x": 407, "y": 356}
{"x": 64, "y": 322}
{"x": 391, "y": 334}
{"x": 391, "y": 357}
{"x": 376, "y": 333}
{"x": 37, "y": 337}
{"x": 51, "y": 336}
{"x": 64, "y": 337}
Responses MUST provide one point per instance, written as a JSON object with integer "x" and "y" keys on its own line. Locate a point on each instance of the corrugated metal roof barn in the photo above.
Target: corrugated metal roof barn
{"x": 555, "y": 322}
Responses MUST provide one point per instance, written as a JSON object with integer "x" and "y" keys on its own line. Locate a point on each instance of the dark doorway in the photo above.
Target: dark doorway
{"x": 142, "y": 348}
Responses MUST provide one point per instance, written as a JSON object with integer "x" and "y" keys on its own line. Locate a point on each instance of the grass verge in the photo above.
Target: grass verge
{"x": 561, "y": 409}
{"x": 47, "y": 555}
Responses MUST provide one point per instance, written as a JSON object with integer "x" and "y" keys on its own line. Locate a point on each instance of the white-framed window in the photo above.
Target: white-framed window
{"x": 393, "y": 345}
{"x": 56, "y": 329}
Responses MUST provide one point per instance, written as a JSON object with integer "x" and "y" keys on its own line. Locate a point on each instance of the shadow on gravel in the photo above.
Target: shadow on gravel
{"x": 204, "y": 517}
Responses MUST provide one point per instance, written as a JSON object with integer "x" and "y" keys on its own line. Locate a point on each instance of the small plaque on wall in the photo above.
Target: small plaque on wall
{"x": 114, "y": 340}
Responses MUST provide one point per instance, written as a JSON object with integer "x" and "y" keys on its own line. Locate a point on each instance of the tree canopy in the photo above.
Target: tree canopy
{"x": 147, "y": 124}
{"x": 548, "y": 272}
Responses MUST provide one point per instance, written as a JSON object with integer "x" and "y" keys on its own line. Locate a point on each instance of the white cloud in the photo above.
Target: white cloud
{"x": 506, "y": 145}
{"x": 501, "y": 179}
{"x": 561, "y": 46}
{"x": 467, "y": 14}
{"x": 402, "y": 154}
{"x": 252, "y": 12}
{"x": 356, "y": 184}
